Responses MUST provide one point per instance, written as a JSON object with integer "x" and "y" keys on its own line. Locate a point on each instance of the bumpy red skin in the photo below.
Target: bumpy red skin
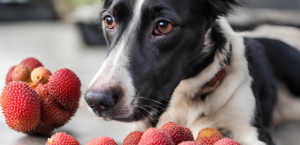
{"x": 156, "y": 137}
{"x": 53, "y": 115}
{"x": 62, "y": 139}
{"x": 174, "y": 130}
{"x": 21, "y": 106}
{"x": 226, "y": 141}
{"x": 189, "y": 143}
{"x": 133, "y": 138}
{"x": 209, "y": 140}
{"x": 9, "y": 75}
{"x": 65, "y": 87}
{"x": 187, "y": 134}
{"x": 102, "y": 141}
{"x": 32, "y": 63}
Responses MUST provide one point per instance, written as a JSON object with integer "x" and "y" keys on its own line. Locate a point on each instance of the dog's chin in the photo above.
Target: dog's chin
{"x": 118, "y": 117}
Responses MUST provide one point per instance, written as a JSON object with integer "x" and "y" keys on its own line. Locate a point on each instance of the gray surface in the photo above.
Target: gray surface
{"x": 58, "y": 45}
{"x": 274, "y": 4}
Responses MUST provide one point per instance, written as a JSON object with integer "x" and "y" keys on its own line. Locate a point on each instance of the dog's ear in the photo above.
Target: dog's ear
{"x": 215, "y": 8}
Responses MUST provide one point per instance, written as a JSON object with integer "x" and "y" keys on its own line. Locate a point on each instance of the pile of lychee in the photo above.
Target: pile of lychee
{"x": 35, "y": 101}
{"x": 168, "y": 134}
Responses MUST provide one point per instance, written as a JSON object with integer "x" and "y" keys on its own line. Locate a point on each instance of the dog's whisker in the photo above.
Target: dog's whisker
{"x": 152, "y": 100}
{"x": 150, "y": 115}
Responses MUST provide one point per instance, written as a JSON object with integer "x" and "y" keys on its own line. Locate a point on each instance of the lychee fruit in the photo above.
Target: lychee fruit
{"x": 52, "y": 113}
{"x": 208, "y": 132}
{"x": 189, "y": 143}
{"x": 41, "y": 128}
{"x": 21, "y": 73}
{"x": 21, "y": 106}
{"x": 102, "y": 141}
{"x": 65, "y": 87}
{"x": 226, "y": 141}
{"x": 42, "y": 90}
{"x": 209, "y": 140}
{"x": 40, "y": 75}
{"x": 156, "y": 137}
{"x": 174, "y": 130}
{"x": 62, "y": 139}
{"x": 32, "y": 63}
{"x": 133, "y": 138}
{"x": 187, "y": 134}
{"x": 9, "y": 75}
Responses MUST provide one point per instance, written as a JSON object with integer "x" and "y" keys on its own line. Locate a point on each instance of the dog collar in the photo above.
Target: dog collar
{"x": 213, "y": 84}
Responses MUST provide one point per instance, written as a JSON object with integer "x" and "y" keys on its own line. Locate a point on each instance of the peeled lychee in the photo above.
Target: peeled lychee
{"x": 62, "y": 139}
{"x": 102, "y": 141}
{"x": 21, "y": 73}
{"x": 133, "y": 138}
{"x": 209, "y": 140}
{"x": 40, "y": 75}
{"x": 156, "y": 137}
{"x": 187, "y": 134}
{"x": 9, "y": 75}
{"x": 226, "y": 141}
{"x": 189, "y": 143}
{"x": 208, "y": 132}
{"x": 32, "y": 63}
{"x": 65, "y": 87}
{"x": 174, "y": 130}
{"x": 21, "y": 106}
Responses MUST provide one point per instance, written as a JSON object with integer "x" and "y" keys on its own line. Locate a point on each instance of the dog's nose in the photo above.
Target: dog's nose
{"x": 101, "y": 100}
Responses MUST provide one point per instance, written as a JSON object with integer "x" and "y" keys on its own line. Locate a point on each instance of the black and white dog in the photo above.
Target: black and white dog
{"x": 180, "y": 61}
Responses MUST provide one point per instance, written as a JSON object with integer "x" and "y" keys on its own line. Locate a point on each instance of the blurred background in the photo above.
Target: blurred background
{"x": 66, "y": 33}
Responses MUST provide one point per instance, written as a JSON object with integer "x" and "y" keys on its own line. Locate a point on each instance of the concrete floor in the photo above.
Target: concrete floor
{"x": 58, "y": 45}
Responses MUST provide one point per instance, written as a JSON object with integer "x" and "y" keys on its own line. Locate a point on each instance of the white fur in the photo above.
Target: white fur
{"x": 288, "y": 106}
{"x": 231, "y": 106}
{"x": 113, "y": 71}
{"x": 289, "y": 35}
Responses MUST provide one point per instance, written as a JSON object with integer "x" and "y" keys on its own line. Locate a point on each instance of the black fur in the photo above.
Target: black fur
{"x": 263, "y": 87}
{"x": 285, "y": 62}
{"x": 157, "y": 64}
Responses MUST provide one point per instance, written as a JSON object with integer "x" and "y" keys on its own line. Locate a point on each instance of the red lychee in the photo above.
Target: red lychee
{"x": 40, "y": 75}
{"x": 65, "y": 87}
{"x": 42, "y": 90}
{"x": 21, "y": 106}
{"x": 32, "y": 63}
{"x": 174, "y": 130}
{"x": 209, "y": 140}
{"x": 62, "y": 139}
{"x": 189, "y": 143}
{"x": 21, "y": 73}
{"x": 187, "y": 134}
{"x": 133, "y": 138}
{"x": 226, "y": 141}
{"x": 41, "y": 128}
{"x": 9, "y": 75}
{"x": 102, "y": 141}
{"x": 156, "y": 137}
{"x": 52, "y": 113}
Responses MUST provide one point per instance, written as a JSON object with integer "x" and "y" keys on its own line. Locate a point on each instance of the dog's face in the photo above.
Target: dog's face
{"x": 153, "y": 45}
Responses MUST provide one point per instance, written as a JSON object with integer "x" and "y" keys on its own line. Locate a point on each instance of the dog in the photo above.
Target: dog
{"x": 180, "y": 61}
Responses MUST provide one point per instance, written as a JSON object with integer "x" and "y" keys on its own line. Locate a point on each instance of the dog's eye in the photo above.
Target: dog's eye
{"x": 109, "y": 22}
{"x": 163, "y": 27}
